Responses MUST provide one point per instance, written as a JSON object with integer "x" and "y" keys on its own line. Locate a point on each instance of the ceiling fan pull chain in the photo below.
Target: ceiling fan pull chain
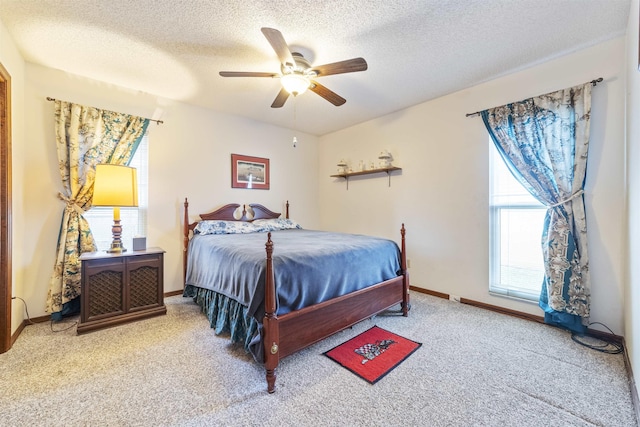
{"x": 295, "y": 121}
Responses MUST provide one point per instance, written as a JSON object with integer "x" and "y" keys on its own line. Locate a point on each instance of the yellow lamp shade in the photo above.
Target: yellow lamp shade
{"x": 115, "y": 186}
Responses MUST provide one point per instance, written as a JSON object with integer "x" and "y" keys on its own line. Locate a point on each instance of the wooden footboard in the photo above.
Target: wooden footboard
{"x": 286, "y": 334}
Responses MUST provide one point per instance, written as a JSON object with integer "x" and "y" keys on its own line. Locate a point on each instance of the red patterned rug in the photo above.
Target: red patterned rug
{"x": 373, "y": 354}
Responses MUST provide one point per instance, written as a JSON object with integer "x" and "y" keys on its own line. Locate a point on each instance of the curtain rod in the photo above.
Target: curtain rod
{"x": 151, "y": 120}
{"x": 593, "y": 82}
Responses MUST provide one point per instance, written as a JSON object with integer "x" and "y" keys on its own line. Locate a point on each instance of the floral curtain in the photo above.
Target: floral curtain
{"x": 544, "y": 142}
{"x": 85, "y": 137}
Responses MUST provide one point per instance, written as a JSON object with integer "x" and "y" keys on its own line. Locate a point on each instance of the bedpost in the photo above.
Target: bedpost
{"x": 270, "y": 322}
{"x": 405, "y": 273}
{"x": 185, "y": 242}
{"x": 287, "y": 210}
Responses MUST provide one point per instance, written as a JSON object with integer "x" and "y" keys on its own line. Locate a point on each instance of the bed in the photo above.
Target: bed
{"x": 279, "y": 288}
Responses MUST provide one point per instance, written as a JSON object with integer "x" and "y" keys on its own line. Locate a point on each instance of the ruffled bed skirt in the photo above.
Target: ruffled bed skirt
{"x": 226, "y": 316}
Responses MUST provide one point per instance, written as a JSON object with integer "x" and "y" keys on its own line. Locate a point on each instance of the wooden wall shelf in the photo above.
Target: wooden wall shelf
{"x": 347, "y": 175}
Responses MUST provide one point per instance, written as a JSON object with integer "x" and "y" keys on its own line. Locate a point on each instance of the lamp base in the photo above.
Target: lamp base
{"x": 115, "y": 250}
{"x": 116, "y": 231}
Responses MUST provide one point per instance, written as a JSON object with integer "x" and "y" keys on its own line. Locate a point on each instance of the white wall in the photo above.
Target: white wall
{"x": 189, "y": 156}
{"x": 442, "y": 192}
{"x": 14, "y": 64}
{"x": 632, "y": 295}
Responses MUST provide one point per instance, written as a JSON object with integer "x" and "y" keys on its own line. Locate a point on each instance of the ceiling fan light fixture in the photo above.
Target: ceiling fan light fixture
{"x": 295, "y": 83}
{"x": 296, "y": 72}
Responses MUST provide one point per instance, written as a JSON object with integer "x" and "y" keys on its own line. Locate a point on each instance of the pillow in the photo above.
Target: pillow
{"x": 275, "y": 224}
{"x": 224, "y": 227}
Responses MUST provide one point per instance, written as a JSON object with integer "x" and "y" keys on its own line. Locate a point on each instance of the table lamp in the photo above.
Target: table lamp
{"x": 115, "y": 186}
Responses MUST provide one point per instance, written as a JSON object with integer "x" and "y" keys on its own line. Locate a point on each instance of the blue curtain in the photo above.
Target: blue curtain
{"x": 544, "y": 142}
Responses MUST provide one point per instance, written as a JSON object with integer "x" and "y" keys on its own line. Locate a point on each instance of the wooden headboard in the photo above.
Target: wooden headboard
{"x": 225, "y": 213}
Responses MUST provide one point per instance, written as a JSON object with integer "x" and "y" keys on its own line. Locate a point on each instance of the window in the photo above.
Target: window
{"x": 133, "y": 220}
{"x": 515, "y": 228}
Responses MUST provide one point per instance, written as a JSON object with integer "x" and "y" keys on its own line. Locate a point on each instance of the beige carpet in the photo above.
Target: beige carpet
{"x": 475, "y": 368}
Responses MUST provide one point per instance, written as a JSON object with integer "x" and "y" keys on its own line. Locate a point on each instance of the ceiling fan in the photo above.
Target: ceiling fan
{"x": 297, "y": 74}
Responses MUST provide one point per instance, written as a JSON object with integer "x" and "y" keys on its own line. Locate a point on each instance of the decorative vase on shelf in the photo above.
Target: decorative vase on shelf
{"x": 385, "y": 159}
{"x": 361, "y": 166}
{"x": 342, "y": 166}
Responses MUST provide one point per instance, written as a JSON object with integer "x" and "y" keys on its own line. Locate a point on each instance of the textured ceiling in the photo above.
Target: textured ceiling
{"x": 416, "y": 50}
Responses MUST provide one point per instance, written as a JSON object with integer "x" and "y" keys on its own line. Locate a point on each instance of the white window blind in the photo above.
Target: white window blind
{"x": 133, "y": 220}
{"x": 515, "y": 229}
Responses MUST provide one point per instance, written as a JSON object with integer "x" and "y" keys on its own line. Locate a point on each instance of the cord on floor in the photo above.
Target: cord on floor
{"x": 604, "y": 345}
{"x": 31, "y": 322}
{"x": 26, "y": 310}
{"x": 64, "y": 329}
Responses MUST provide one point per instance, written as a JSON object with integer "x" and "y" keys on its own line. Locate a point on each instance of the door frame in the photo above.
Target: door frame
{"x": 5, "y": 210}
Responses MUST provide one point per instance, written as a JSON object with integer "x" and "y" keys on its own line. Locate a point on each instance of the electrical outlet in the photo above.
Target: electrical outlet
{"x": 455, "y": 298}
{"x": 408, "y": 262}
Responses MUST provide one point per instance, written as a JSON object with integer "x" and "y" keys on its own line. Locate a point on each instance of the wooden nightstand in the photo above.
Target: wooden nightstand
{"x": 120, "y": 288}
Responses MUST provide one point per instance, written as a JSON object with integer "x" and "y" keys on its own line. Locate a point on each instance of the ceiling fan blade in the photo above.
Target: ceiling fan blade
{"x": 278, "y": 44}
{"x": 246, "y": 74}
{"x": 327, "y": 94}
{"x": 348, "y": 66}
{"x": 281, "y": 98}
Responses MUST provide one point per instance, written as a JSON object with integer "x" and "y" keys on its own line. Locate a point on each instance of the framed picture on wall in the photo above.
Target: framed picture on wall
{"x": 249, "y": 172}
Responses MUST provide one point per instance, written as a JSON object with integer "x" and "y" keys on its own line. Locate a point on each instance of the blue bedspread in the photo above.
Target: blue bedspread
{"x": 226, "y": 274}
{"x": 309, "y": 266}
